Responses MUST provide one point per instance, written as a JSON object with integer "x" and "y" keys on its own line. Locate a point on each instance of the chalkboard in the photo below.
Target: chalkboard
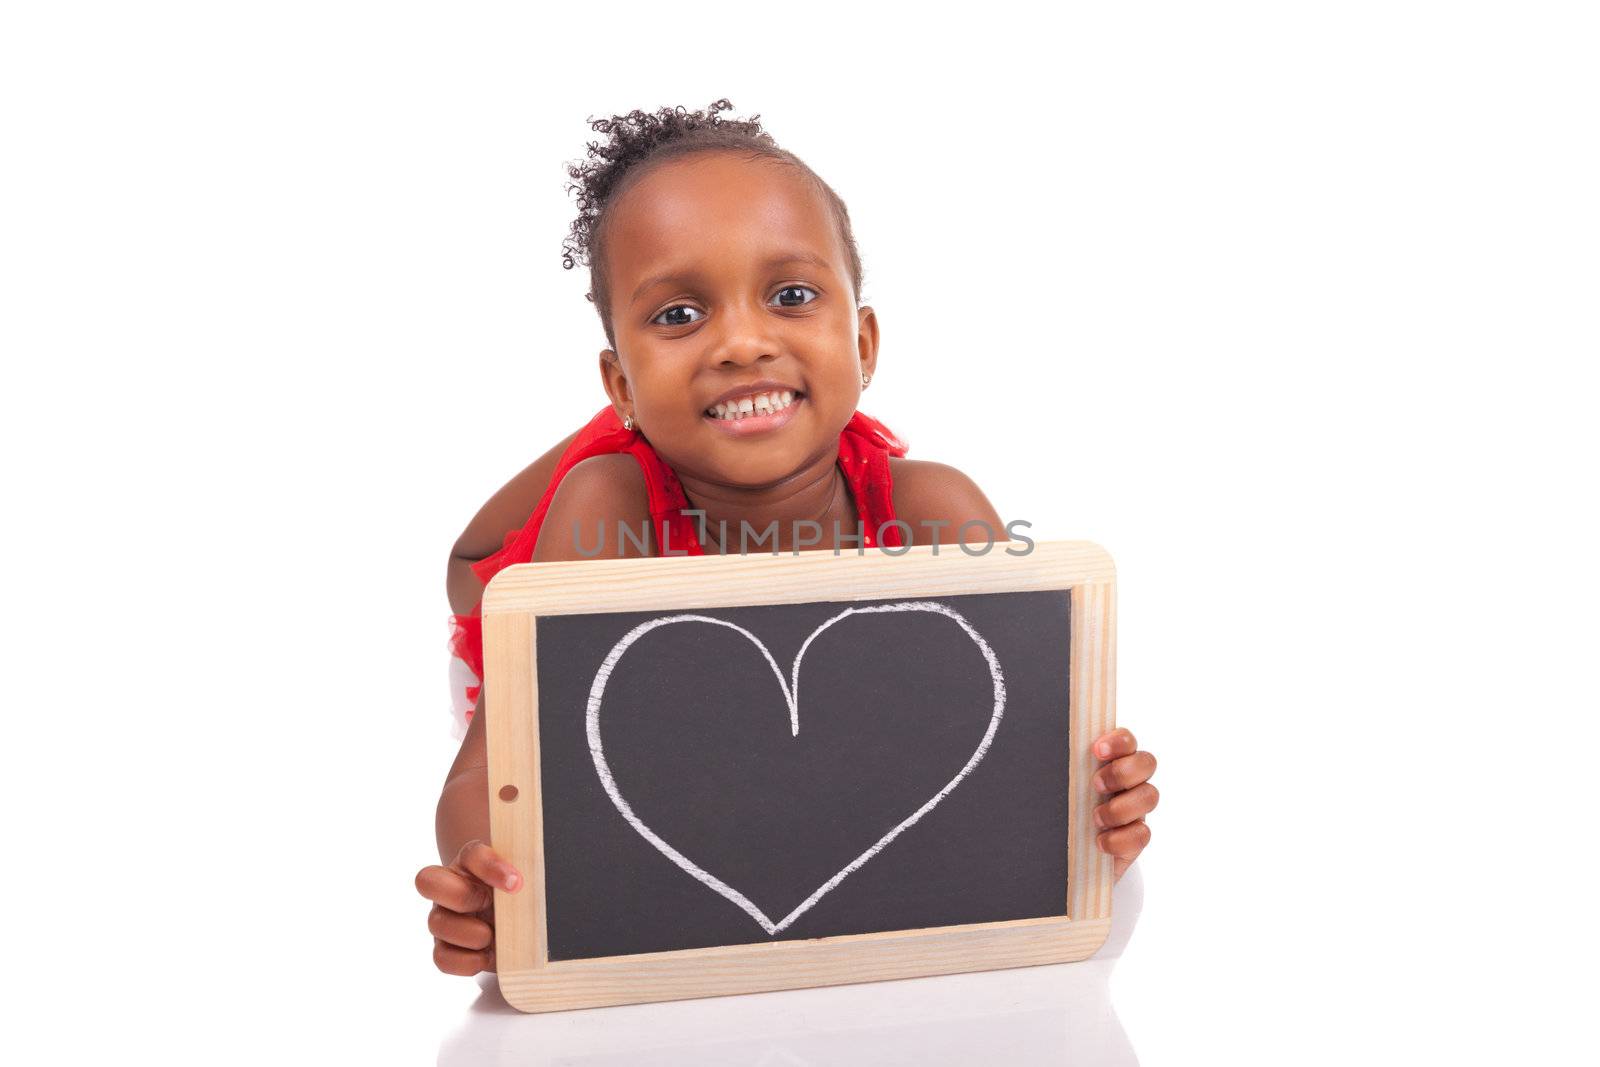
{"x": 688, "y": 803}
{"x": 723, "y": 774}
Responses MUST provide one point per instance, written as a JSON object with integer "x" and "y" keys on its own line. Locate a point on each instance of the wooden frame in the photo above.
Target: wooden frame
{"x": 531, "y": 982}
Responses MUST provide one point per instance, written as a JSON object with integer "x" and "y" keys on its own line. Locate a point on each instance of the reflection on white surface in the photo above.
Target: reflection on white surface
{"x": 1060, "y": 1014}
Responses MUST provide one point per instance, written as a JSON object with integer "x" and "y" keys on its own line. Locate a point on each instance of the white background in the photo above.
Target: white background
{"x": 1292, "y": 307}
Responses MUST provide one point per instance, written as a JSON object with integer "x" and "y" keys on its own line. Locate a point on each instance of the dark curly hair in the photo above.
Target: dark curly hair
{"x": 638, "y": 143}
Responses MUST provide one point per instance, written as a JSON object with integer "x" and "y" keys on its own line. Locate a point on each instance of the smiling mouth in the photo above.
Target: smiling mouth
{"x": 753, "y": 405}
{"x": 755, "y": 413}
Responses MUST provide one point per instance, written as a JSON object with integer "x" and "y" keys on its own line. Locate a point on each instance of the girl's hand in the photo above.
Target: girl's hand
{"x": 1124, "y": 779}
{"x": 462, "y": 919}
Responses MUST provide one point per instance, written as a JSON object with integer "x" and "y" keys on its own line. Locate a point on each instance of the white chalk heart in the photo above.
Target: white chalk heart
{"x": 792, "y": 697}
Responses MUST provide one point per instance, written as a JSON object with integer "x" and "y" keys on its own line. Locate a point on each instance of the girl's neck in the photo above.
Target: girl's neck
{"x": 821, "y": 497}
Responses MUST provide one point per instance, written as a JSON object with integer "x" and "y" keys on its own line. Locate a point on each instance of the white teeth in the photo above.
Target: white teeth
{"x": 756, "y": 404}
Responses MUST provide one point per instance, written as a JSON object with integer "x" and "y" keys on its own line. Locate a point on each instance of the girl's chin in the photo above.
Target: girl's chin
{"x": 747, "y": 465}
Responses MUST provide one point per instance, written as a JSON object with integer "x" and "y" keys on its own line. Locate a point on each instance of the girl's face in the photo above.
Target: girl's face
{"x": 724, "y": 273}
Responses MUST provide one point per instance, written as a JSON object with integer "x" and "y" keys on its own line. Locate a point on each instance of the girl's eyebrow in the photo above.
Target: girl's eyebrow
{"x": 782, "y": 259}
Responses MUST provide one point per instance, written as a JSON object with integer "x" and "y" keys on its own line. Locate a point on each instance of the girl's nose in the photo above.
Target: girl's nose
{"x": 744, "y": 335}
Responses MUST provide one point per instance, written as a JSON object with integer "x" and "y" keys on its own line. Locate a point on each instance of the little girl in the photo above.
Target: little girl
{"x": 727, "y": 280}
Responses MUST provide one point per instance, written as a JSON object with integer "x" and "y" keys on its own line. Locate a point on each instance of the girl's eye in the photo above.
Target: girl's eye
{"x": 787, "y": 297}
{"x": 797, "y": 289}
{"x": 677, "y": 308}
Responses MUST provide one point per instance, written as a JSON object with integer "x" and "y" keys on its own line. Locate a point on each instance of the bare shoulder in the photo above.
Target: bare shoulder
{"x": 595, "y": 496}
{"x": 936, "y": 494}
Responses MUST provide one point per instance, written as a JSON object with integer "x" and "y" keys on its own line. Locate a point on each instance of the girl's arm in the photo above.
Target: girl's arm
{"x": 935, "y": 499}
{"x": 605, "y": 489}
{"x": 599, "y": 489}
{"x": 507, "y": 510}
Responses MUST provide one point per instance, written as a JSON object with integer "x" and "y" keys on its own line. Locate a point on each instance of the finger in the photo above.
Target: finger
{"x": 1125, "y": 842}
{"x": 454, "y": 890}
{"x": 1126, "y": 807}
{"x": 1118, "y": 742}
{"x": 452, "y": 960}
{"x": 486, "y": 864}
{"x": 1125, "y": 773}
{"x": 461, "y": 931}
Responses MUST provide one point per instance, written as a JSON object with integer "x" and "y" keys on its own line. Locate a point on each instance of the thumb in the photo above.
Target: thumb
{"x": 488, "y": 866}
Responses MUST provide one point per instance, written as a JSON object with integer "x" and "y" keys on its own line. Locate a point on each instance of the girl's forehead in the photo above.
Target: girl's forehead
{"x": 715, "y": 202}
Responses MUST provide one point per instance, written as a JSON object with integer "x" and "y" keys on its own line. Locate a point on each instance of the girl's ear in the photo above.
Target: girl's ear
{"x": 867, "y": 339}
{"x": 615, "y": 381}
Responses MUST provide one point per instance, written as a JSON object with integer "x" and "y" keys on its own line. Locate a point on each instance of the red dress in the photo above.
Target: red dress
{"x": 864, "y": 450}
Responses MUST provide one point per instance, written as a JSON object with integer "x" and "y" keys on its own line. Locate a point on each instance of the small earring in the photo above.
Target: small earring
{"x": 865, "y": 378}
{"x": 627, "y": 422}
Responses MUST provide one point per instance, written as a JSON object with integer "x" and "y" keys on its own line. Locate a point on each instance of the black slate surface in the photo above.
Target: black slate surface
{"x": 696, "y": 732}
